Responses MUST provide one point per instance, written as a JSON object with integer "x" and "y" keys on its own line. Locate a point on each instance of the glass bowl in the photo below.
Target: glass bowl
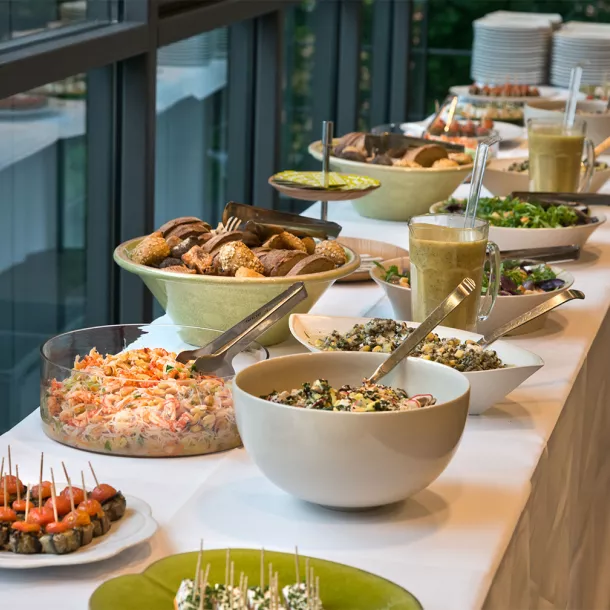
{"x": 137, "y": 403}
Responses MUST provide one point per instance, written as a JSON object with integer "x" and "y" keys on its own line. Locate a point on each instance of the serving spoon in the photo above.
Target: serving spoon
{"x": 559, "y": 299}
{"x": 216, "y": 356}
{"x": 462, "y": 290}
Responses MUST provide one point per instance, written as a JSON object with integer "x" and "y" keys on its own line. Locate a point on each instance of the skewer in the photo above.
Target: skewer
{"x": 10, "y": 466}
{"x": 40, "y": 480}
{"x": 310, "y": 593}
{"x": 27, "y": 501}
{"x": 204, "y": 585}
{"x": 69, "y": 486}
{"x": 318, "y": 604}
{"x": 307, "y": 578}
{"x": 262, "y": 583}
{"x": 97, "y": 483}
{"x": 231, "y": 585}
{"x": 244, "y": 594}
{"x": 82, "y": 479}
{"x": 4, "y": 481}
{"x": 18, "y": 486}
{"x": 53, "y": 496}
{"x": 198, "y": 568}
{"x": 270, "y": 581}
{"x": 227, "y": 564}
{"x": 296, "y": 563}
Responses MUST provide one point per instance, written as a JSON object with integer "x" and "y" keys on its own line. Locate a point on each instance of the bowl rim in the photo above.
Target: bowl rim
{"x": 568, "y": 282}
{"x": 510, "y": 367}
{"x": 312, "y": 149}
{"x": 600, "y": 220}
{"x": 329, "y": 355}
{"x": 122, "y": 258}
{"x": 45, "y": 358}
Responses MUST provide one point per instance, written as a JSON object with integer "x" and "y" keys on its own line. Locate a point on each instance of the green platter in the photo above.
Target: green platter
{"x": 341, "y": 587}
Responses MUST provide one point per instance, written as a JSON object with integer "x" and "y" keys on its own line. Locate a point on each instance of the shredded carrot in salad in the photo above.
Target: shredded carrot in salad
{"x": 140, "y": 402}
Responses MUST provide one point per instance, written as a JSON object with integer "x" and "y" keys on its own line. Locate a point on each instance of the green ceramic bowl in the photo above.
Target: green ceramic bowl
{"x": 341, "y": 587}
{"x": 221, "y": 302}
{"x": 404, "y": 191}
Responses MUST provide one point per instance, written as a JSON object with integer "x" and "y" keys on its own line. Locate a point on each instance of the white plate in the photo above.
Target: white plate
{"x": 136, "y": 526}
{"x": 507, "y": 131}
{"x": 508, "y": 238}
{"x": 545, "y": 93}
{"x": 486, "y": 387}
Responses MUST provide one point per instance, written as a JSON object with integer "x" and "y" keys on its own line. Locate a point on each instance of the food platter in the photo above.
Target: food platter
{"x": 156, "y": 587}
{"x": 507, "y": 131}
{"x": 135, "y": 527}
{"x": 486, "y": 387}
{"x": 545, "y": 93}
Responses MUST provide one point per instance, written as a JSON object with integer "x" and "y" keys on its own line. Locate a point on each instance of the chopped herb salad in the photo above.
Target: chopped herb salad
{"x": 367, "y": 398}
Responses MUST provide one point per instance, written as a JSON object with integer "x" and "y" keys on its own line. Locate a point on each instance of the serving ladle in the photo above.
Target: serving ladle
{"x": 216, "y": 356}
{"x": 462, "y": 290}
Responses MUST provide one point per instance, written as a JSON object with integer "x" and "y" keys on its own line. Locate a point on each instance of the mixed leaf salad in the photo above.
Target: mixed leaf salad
{"x": 525, "y": 277}
{"x": 517, "y": 277}
{"x": 515, "y": 213}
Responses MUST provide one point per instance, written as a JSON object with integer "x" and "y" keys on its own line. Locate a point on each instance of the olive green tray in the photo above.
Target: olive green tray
{"x": 341, "y": 587}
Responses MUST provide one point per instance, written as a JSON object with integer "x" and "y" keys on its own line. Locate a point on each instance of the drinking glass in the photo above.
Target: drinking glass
{"x": 555, "y": 155}
{"x": 443, "y": 252}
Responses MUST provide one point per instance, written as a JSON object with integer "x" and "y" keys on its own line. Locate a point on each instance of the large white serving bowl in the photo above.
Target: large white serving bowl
{"x": 506, "y": 308}
{"x": 508, "y": 238}
{"x": 486, "y": 387}
{"x": 350, "y": 460}
{"x": 500, "y": 182}
{"x": 404, "y": 191}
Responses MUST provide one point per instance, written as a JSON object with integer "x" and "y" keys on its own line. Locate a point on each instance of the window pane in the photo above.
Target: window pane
{"x": 192, "y": 101}
{"x": 19, "y": 18}
{"x": 43, "y": 162}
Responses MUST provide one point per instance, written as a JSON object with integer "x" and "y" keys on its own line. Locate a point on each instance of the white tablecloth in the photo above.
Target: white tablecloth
{"x": 518, "y": 519}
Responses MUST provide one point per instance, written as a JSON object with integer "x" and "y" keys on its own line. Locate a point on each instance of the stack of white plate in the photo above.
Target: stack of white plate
{"x": 587, "y": 44}
{"x": 511, "y": 50}
{"x": 72, "y": 12}
{"x": 192, "y": 52}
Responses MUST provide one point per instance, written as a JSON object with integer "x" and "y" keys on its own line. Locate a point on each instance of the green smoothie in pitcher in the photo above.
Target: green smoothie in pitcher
{"x": 555, "y": 158}
{"x": 441, "y": 257}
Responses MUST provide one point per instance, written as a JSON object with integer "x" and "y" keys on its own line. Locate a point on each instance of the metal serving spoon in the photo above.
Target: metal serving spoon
{"x": 464, "y": 288}
{"x": 559, "y": 299}
{"x": 215, "y": 357}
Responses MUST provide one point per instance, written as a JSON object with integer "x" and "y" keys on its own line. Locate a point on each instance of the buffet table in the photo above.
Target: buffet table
{"x": 518, "y": 520}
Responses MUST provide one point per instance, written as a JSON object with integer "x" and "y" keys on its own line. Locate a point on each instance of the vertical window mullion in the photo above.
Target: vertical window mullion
{"x": 380, "y": 72}
{"x": 401, "y": 59}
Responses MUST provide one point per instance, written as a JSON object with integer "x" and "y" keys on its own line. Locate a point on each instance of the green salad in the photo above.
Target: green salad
{"x": 516, "y": 213}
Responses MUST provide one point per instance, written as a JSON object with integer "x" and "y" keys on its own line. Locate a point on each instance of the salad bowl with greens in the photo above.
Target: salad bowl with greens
{"x": 523, "y": 286}
{"x": 516, "y": 224}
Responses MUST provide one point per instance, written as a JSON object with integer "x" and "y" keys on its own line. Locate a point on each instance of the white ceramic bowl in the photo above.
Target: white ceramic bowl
{"x": 486, "y": 387}
{"x": 508, "y": 238}
{"x": 404, "y": 192}
{"x": 505, "y": 308}
{"x": 598, "y": 124}
{"x": 500, "y": 182}
{"x": 350, "y": 460}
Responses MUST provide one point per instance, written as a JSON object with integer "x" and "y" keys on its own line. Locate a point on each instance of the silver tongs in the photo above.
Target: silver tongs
{"x": 554, "y": 254}
{"x": 215, "y": 357}
{"x": 559, "y": 299}
{"x": 265, "y": 223}
{"x": 463, "y": 289}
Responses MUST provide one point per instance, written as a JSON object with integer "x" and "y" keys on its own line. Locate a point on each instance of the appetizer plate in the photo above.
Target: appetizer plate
{"x": 341, "y": 586}
{"x": 486, "y": 387}
{"x": 507, "y": 131}
{"x": 545, "y": 93}
{"x": 136, "y": 526}
{"x": 508, "y": 238}
{"x": 505, "y": 309}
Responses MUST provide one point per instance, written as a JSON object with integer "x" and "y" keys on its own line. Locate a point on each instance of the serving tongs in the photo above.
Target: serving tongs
{"x": 559, "y": 299}
{"x": 553, "y": 254}
{"x": 462, "y": 290}
{"x": 216, "y": 357}
{"x": 395, "y": 142}
{"x": 266, "y": 223}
